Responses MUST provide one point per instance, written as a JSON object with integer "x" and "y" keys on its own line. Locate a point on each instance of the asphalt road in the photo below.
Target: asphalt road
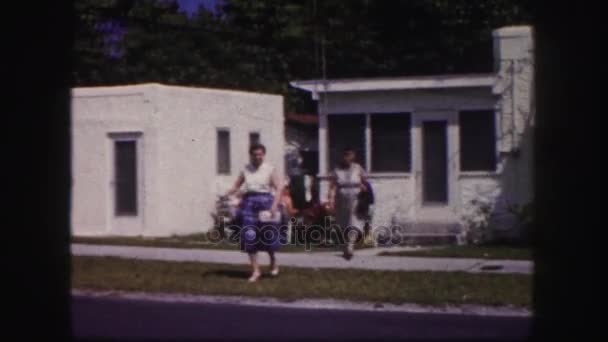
{"x": 114, "y": 318}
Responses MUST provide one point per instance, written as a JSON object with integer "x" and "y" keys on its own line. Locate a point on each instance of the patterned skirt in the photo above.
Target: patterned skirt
{"x": 254, "y": 235}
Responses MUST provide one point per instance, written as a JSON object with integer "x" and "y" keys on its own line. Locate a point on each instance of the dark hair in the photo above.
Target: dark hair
{"x": 254, "y": 147}
{"x": 348, "y": 149}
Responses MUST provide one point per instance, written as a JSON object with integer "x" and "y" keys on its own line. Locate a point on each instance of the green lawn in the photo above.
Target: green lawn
{"x": 192, "y": 241}
{"x": 476, "y": 252}
{"x": 434, "y": 288}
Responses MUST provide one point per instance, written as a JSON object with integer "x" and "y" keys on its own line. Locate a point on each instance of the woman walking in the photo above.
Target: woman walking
{"x": 347, "y": 181}
{"x": 258, "y": 208}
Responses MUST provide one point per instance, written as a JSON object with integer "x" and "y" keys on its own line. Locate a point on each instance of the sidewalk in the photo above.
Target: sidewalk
{"x": 363, "y": 259}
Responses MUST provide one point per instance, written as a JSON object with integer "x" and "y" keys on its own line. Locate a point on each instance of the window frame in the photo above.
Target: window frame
{"x": 228, "y": 169}
{"x": 363, "y": 160}
{"x": 494, "y": 132}
{"x": 136, "y": 139}
{"x": 371, "y": 170}
{"x": 259, "y": 137}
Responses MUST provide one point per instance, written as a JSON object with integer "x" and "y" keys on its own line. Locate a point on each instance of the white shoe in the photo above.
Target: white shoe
{"x": 348, "y": 253}
{"x": 254, "y": 277}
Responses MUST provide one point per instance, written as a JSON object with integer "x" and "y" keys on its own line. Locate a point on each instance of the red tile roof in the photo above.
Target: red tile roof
{"x": 302, "y": 118}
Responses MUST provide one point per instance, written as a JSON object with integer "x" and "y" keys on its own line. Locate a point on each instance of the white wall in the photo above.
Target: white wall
{"x": 190, "y": 118}
{"x": 94, "y": 115}
{"x": 513, "y": 52}
{"x": 178, "y": 152}
{"x": 394, "y": 197}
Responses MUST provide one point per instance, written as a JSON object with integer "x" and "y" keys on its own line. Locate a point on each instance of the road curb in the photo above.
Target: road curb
{"x": 316, "y": 304}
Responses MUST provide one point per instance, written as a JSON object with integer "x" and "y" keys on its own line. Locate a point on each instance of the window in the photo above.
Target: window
{"x": 125, "y": 176}
{"x": 254, "y": 138}
{"x": 223, "y": 151}
{"x": 391, "y": 143}
{"x": 477, "y": 140}
{"x": 346, "y": 130}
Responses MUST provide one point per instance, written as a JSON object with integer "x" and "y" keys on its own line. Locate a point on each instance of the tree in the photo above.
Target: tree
{"x": 262, "y": 45}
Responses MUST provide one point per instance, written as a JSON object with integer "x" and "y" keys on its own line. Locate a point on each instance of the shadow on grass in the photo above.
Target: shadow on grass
{"x": 235, "y": 274}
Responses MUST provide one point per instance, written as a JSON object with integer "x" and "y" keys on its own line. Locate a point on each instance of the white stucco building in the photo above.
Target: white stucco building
{"x": 149, "y": 160}
{"x": 433, "y": 144}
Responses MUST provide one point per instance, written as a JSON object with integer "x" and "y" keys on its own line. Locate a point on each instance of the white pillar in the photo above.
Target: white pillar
{"x": 323, "y": 140}
{"x": 323, "y": 153}
{"x": 368, "y": 142}
{"x": 513, "y": 52}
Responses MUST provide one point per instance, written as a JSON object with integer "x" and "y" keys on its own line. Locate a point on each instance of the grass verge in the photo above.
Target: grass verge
{"x": 431, "y": 288}
{"x": 194, "y": 241}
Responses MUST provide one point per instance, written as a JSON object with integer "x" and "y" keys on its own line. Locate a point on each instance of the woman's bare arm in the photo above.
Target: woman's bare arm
{"x": 277, "y": 183}
{"x": 237, "y": 185}
{"x": 363, "y": 179}
{"x": 291, "y": 211}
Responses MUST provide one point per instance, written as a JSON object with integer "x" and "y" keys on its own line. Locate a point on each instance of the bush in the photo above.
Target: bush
{"x": 476, "y": 222}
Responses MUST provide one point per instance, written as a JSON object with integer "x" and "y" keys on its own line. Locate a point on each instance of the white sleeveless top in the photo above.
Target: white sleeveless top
{"x": 349, "y": 180}
{"x": 258, "y": 180}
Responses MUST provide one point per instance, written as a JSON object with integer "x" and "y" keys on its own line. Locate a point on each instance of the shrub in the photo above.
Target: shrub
{"x": 476, "y": 222}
